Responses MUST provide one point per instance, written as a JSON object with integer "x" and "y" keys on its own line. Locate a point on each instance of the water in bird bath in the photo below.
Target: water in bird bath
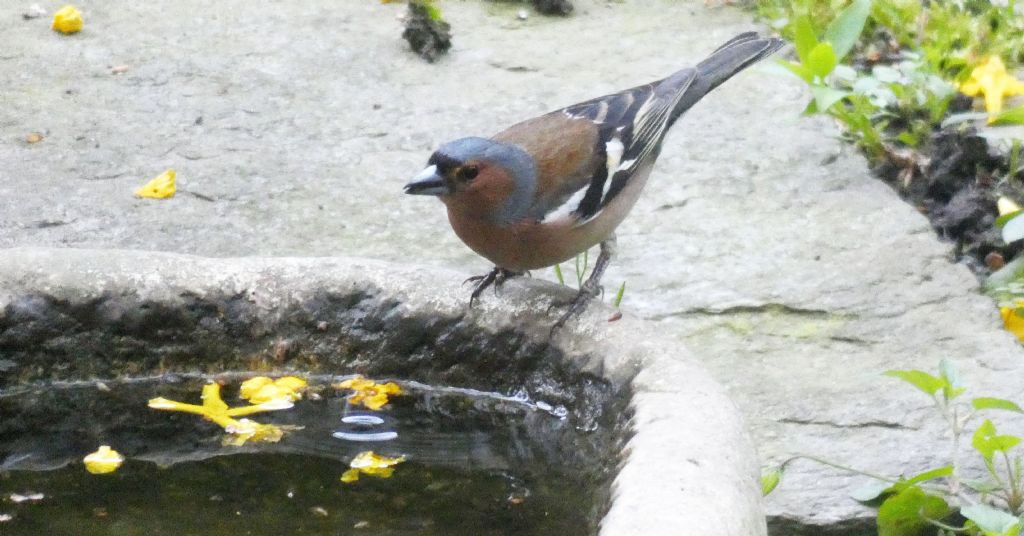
{"x": 474, "y": 463}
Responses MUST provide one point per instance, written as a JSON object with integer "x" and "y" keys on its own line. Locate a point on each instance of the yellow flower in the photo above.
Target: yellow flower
{"x": 161, "y": 187}
{"x": 992, "y": 80}
{"x": 371, "y": 394}
{"x": 67, "y": 20}
{"x": 215, "y": 409}
{"x": 263, "y": 389}
{"x": 104, "y": 460}
{"x": 371, "y": 464}
{"x": 1013, "y": 322}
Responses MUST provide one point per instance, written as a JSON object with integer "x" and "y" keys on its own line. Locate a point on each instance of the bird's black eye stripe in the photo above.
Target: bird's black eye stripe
{"x": 468, "y": 173}
{"x": 443, "y": 162}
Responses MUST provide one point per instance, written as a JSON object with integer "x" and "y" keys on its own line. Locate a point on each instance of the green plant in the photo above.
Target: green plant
{"x": 990, "y": 506}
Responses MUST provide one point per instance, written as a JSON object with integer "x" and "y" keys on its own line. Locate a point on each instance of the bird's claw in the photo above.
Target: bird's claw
{"x": 496, "y": 277}
{"x": 576, "y": 306}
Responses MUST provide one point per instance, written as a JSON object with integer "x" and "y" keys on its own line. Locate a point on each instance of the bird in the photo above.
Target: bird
{"x": 549, "y": 188}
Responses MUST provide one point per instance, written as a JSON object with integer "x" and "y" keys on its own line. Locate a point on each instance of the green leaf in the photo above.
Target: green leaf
{"x": 949, "y": 374}
{"x": 927, "y": 475}
{"x": 982, "y": 486}
{"x": 620, "y": 294}
{"x": 920, "y": 379}
{"x": 987, "y": 442}
{"x": 990, "y": 519}
{"x": 870, "y": 491}
{"x": 825, "y": 97}
{"x": 821, "y": 60}
{"x": 799, "y": 70}
{"x": 901, "y": 514}
{"x": 996, "y": 403}
{"x": 1013, "y": 116}
{"x": 1001, "y": 220}
{"x": 770, "y": 479}
{"x": 804, "y": 38}
{"x": 847, "y": 27}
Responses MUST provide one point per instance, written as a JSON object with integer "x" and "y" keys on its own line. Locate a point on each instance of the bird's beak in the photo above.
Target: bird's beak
{"x": 428, "y": 182}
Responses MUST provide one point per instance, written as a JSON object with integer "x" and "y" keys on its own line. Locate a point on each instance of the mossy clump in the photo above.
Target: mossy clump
{"x": 426, "y": 31}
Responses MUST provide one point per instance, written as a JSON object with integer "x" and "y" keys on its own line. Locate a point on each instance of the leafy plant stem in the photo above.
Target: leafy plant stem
{"x": 1013, "y": 497}
{"x": 944, "y": 526}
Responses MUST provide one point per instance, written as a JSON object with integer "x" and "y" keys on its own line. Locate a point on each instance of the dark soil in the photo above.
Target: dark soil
{"x": 955, "y": 180}
{"x": 553, "y": 7}
{"x": 428, "y": 37}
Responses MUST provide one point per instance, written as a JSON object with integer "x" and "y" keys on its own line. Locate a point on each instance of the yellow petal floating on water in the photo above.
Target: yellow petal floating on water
{"x": 161, "y": 187}
{"x": 371, "y": 394}
{"x": 993, "y": 81}
{"x": 104, "y": 460}
{"x": 372, "y": 464}
{"x": 67, "y": 20}
{"x": 262, "y": 389}
{"x": 216, "y": 410}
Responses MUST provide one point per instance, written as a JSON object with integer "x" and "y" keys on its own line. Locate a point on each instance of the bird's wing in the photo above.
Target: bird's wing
{"x": 630, "y": 126}
{"x": 586, "y": 153}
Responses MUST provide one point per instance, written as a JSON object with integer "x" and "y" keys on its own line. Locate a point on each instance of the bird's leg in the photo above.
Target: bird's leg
{"x": 591, "y": 287}
{"x": 504, "y": 275}
{"x": 496, "y": 277}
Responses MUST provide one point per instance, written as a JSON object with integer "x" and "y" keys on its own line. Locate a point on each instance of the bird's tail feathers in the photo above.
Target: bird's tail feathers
{"x": 732, "y": 57}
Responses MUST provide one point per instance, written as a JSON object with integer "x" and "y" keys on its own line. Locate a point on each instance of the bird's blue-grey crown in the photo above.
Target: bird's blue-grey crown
{"x": 519, "y": 166}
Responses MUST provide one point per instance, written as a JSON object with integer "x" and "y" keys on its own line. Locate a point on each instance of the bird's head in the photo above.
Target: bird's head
{"x": 488, "y": 178}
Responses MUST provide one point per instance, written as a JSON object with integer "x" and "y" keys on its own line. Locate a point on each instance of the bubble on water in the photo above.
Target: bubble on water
{"x": 362, "y": 419}
{"x": 366, "y": 436}
{"x": 561, "y": 412}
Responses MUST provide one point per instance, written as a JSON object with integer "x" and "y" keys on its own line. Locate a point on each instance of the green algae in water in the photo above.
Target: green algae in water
{"x": 477, "y": 464}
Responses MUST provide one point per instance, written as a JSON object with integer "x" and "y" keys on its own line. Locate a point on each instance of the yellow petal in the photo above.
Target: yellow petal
{"x": 350, "y": 476}
{"x": 67, "y": 20}
{"x": 970, "y": 88}
{"x": 211, "y": 398}
{"x": 358, "y": 383}
{"x": 379, "y": 472}
{"x": 104, "y": 460}
{"x": 171, "y": 405}
{"x": 1013, "y": 322}
{"x": 292, "y": 383}
{"x": 369, "y": 459}
{"x": 250, "y": 386}
{"x": 160, "y": 187}
{"x": 273, "y": 404}
{"x": 390, "y": 388}
{"x": 270, "y": 392}
{"x": 376, "y": 401}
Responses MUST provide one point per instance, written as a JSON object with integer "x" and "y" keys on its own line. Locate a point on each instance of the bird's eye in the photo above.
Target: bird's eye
{"x": 467, "y": 173}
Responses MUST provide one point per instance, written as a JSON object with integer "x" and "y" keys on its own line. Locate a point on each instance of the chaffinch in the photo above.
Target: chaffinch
{"x": 547, "y": 189}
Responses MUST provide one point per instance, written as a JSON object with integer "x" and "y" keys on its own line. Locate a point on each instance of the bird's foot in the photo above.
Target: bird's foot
{"x": 577, "y": 305}
{"x": 590, "y": 289}
{"x": 496, "y": 277}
